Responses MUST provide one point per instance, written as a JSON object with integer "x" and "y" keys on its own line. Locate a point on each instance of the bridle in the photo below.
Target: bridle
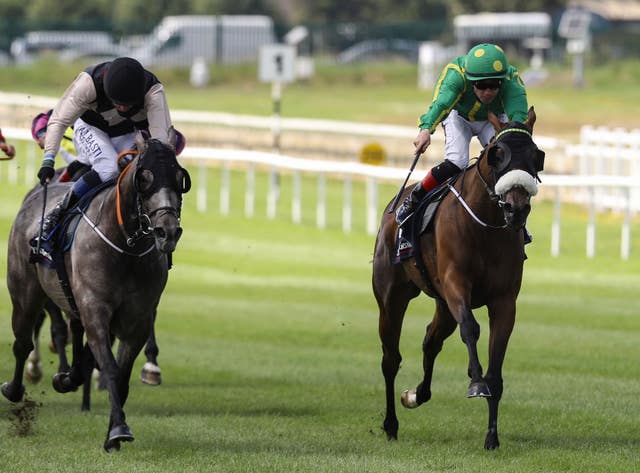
{"x": 489, "y": 189}
{"x": 143, "y": 218}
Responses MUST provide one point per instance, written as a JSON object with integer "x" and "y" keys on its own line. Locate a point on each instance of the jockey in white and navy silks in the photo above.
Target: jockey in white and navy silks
{"x": 106, "y": 104}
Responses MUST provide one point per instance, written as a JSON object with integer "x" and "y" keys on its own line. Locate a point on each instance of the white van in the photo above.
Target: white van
{"x": 180, "y": 40}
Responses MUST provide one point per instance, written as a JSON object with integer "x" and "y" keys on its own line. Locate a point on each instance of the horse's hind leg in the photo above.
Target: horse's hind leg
{"x": 59, "y": 335}
{"x": 68, "y": 381}
{"x": 442, "y": 325}
{"x": 33, "y": 368}
{"x": 151, "y": 373}
{"x": 501, "y": 322}
{"x": 23, "y": 322}
{"x": 392, "y": 302}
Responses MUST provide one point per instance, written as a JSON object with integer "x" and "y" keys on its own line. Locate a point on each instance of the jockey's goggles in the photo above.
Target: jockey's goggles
{"x": 487, "y": 84}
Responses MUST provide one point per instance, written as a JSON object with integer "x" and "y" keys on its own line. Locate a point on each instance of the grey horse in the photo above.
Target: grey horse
{"x": 117, "y": 268}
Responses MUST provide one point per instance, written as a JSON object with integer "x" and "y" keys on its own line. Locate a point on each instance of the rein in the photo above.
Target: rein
{"x": 470, "y": 211}
{"x": 104, "y": 238}
{"x": 144, "y": 221}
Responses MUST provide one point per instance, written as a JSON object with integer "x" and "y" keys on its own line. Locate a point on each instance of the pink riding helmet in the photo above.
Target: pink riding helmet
{"x": 39, "y": 124}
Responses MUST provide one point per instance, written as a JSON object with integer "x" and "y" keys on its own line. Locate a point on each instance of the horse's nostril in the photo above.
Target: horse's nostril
{"x": 159, "y": 232}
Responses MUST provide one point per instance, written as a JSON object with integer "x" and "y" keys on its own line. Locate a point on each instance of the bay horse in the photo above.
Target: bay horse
{"x": 117, "y": 269}
{"x": 473, "y": 257}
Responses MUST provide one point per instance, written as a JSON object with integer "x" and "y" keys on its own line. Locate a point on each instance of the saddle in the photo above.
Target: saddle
{"x": 58, "y": 241}
{"x": 420, "y": 222}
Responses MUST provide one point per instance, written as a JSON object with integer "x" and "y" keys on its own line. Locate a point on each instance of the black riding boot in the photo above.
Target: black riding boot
{"x": 54, "y": 215}
{"x": 410, "y": 202}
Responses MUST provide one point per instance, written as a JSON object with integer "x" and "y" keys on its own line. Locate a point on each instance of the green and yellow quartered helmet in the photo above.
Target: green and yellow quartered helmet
{"x": 485, "y": 61}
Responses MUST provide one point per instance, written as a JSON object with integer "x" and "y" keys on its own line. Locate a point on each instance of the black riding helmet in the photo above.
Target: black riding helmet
{"x": 124, "y": 81}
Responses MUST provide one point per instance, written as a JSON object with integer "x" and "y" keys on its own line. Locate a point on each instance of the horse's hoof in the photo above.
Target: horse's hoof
{"x": 11, "y": 393}
{"x": 62, "y": 383}
{"x": 120, "y": 433}
{"x": 110, "y": 446}
{"x": 391, "y": 436}
{"x": 151, "y": 374}
{"x": 33, "y": 371}
{"x": 478, "y": 389}
{"x": 409, "y": 399}
{"x": 390, "y": 427}
{"x": 491, "y": 442}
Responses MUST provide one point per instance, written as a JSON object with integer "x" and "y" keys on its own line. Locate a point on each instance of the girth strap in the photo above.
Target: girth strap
{"x": 63, "y": 278}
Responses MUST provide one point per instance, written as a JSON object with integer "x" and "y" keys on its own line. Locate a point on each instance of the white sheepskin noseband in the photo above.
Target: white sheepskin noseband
{"x": 517, "y": 177}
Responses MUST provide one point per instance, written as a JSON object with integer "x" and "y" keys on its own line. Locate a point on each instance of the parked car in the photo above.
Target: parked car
{"x": 25, "y": 49}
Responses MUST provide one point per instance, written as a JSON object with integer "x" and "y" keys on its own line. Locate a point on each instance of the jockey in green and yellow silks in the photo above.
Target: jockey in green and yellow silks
{"x": 467, "y": 89}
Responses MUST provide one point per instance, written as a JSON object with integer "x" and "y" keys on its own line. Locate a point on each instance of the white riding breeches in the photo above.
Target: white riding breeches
{"x": 458, "y": 132}
{"x": 99, "y": 149}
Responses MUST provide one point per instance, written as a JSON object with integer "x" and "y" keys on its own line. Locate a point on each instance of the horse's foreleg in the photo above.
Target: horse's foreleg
{"x": 99, "y": 340}
{"x": 442, "y": 325}
{"x": 127, "y": 354}
{"x": 457, "y": 291}
{"x": 501, "y": 321}
{"x": 470, "y": 333}
{"x": 118, "y": 430}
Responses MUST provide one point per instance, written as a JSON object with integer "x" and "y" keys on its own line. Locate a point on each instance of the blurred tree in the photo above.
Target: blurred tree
{"x": 351, "y": 10}
{"x": 140, "y": 16}
{"x": 68, "y": 11}
{"x": 12, "y": 9}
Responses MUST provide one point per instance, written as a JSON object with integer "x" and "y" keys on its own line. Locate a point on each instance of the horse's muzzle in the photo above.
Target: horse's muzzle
{"x": 167, "y": 238}
{"x": 516, "y": 207}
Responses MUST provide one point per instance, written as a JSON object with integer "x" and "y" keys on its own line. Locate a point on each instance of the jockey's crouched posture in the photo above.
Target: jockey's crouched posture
{"x": 467, "y": 89}
{"x": 106, "y": 104}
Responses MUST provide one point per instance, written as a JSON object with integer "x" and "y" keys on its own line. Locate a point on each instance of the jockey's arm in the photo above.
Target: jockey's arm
{"x": 515, "y": 98}
{"x": 155, "y": 103}
{"x": 76, "y": 100}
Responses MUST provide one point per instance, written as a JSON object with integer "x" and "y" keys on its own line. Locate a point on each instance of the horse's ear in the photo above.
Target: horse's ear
{"x": 498, "y": 156}
{"x": 172, "y": 138}
{"x": 531, "y": 118}
{"x": 493, "y": 154}
{"x": 141, "y": 143}
{"x": 495, "y": 121}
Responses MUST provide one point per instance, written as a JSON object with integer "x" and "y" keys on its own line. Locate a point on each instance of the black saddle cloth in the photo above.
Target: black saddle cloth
{"x": 58, "y": 241}
{"x": 419, "y": 222}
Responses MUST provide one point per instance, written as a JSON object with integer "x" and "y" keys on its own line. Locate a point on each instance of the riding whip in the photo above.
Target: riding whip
{"x": 44, "y": 206}
{"x": 413, "y": 165}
